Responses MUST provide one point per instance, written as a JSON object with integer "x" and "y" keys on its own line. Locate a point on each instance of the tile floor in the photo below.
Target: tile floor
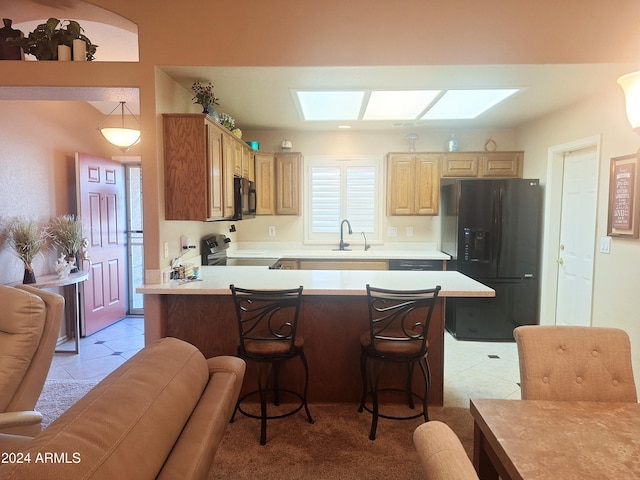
{"x": 472, "y": 369}
{"x": 100, "y": 353}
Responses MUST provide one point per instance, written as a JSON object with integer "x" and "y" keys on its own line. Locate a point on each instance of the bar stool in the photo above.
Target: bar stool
{"x": 398, "y": 325}
{"x": 267, "y": 324}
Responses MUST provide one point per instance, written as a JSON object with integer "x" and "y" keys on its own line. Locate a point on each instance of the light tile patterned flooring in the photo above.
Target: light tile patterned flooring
{"x": 471, "y": 369}
{"x": 100, "y": 353}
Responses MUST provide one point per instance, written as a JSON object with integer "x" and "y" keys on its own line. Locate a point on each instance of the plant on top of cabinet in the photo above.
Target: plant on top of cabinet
{"x": 204, "y": 95}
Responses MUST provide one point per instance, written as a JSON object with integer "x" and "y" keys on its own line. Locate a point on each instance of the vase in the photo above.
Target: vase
{"x": 29, "y": 274}
{"x": 71, "y": 259}
{"x": 209, "y": 110}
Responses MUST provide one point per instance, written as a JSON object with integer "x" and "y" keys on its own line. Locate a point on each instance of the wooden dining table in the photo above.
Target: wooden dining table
{"x": 553, "y": 440}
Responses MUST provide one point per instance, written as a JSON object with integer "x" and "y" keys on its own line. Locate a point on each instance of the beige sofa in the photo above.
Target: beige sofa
{"x": 160, "y": 415}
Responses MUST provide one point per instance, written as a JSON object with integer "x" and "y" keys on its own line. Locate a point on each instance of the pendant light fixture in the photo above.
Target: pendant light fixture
{"x": 630, "y": 83}
{"x": 122, "y": 137}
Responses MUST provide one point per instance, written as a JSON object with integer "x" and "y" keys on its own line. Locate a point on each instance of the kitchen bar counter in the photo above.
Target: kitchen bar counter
{"x": 333, "y": 316}
{"x": 328, "y": 254}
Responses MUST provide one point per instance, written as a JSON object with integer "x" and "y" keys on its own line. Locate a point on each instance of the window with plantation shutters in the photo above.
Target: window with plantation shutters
{"x": 339, "y": 189}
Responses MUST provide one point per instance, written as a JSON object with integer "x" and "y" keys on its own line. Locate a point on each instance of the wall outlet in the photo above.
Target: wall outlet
{"x": 392, "y": 231}
{"x": 166, "y": 249}
{"x": 272, "y": 231}
{"x": 409, "y": 231}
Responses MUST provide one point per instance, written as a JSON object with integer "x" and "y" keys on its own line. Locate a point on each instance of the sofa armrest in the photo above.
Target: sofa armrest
{"x": 193, "y": 453}
{"x": 226, "y": 364}
{"x": 27, "y": 423}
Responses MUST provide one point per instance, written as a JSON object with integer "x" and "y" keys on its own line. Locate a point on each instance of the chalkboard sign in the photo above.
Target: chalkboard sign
{"x": 623, "y": 187}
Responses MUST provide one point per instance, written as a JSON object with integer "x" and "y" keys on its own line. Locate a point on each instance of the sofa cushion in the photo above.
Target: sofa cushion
{"x": 21, "y": 323}
{"x": 127, "y": 425}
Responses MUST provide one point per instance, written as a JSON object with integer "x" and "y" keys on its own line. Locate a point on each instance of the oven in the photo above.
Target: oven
{"x": 214, "y": 253}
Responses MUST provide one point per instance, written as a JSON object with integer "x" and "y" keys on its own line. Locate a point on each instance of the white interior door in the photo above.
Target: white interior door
{"x": 577, "y": 237}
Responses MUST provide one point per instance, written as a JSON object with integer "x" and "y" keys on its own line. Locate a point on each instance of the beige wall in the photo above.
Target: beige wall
{"x": 38, "y": 140}
{"x": 615, "y": 294}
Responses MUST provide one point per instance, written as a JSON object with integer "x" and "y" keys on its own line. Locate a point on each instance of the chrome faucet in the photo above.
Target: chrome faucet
{"x": 366, "y": 245}
{"x": 343, "y": 244}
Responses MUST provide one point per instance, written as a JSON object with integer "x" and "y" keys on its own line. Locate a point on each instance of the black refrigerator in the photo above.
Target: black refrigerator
{"x": 491, "y": 229}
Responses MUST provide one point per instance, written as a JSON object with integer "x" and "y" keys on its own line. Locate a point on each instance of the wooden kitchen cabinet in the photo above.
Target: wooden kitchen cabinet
{"x": 287, "y": 181}
{"x": 460, "y": 164}
{"x": 248, "y": 164}
{"x": 502, "y": 165}
{"x": 413, "y": 183}
{"x": 265, "y": 171}
{"x": 482, "y": 165}
{"x": 354, "y": 264}
{"x": 198, "y": 183}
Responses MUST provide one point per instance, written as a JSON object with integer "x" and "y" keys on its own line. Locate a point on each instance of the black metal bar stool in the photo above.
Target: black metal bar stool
{"x": 398, "y": 325}
{"x": 267, "y": 324}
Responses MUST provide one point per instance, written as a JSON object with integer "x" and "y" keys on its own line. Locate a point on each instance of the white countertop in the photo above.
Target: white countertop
{"x": 329, "y": 254}
{"x": 216, "y": 281}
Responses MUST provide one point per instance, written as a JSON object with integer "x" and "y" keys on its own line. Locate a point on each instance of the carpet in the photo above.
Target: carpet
{"x": 335, "y": 447}
{"x": 58, "y": 395}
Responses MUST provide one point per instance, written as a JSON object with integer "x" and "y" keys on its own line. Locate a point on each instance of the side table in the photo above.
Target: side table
{"x": 72, "y": 299}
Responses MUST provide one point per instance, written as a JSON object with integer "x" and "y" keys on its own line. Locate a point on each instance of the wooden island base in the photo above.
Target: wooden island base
{"x": 331, "y": 326}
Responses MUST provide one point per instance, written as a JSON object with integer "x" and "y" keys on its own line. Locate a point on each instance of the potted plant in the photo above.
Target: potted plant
{"x": 27, "y": 238}
{"x": 44, "y": 40}
{"x": 205, "y": 96}
{"x": 66, "y": 233}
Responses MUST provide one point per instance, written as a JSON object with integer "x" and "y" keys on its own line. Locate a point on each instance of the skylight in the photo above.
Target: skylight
{"x": 398, "y": 104}
{"x": 465, "y": 104}
{"x": 318, "y": 106}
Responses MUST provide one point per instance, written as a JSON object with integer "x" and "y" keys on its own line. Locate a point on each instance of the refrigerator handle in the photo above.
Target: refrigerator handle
{"x": 497, "y": 219}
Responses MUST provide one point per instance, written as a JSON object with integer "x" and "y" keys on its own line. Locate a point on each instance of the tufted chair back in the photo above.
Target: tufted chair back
{"x": 29, "y": 329}
{"x": 575, "y": 363}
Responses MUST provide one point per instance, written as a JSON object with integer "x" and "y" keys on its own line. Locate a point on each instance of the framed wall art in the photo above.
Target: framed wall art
{"x": 624, "y": 211}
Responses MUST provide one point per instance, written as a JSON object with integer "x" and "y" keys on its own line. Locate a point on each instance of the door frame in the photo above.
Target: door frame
{"x": 552, "y": 215}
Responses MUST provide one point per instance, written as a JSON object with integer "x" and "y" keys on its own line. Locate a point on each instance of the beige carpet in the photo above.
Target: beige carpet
{"x": 335, "y": 447}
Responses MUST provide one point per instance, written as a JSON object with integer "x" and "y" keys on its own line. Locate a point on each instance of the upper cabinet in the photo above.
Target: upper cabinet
{"x": 199, "y": 164}
{"x": 278, "y": 183}
{"x": 482, "y": 164}
{"x": 413, "y": 183}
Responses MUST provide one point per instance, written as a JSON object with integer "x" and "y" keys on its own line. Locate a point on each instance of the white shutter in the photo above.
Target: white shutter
{"x": 340, "y": 189}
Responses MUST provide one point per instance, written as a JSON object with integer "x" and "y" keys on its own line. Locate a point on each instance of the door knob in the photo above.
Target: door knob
{"x": 560, "y": 261}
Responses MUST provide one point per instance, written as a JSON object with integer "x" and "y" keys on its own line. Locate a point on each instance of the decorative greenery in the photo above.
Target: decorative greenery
{"x": 227, "y": 121}
{"x": 44, "y": 40}
{"x": 66, "y": 233}
{"x": 204, "y": 94}
{"x": 27, "y": 238}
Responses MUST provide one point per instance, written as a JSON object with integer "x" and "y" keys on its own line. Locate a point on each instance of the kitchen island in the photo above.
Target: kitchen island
{"x": 333, "y": 316}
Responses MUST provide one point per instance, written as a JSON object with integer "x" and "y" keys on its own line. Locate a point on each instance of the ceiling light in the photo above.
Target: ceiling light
{"x": 121, "y": 136}
{"x": 398, "y": 105}
{"x": 630, "y": 83}
{"x": 344, "y": 127}
{"x": 327, "y": 105}
{"x": 466, "y": 104}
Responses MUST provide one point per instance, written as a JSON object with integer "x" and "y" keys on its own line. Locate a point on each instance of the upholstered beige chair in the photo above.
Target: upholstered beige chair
{"x": 29, "y": 327}
{"x": 441, "y": 454}
{"x": 575, "y": 363}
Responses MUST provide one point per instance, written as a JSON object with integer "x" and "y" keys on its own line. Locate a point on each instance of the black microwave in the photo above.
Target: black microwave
{"x": 244, "y": 199}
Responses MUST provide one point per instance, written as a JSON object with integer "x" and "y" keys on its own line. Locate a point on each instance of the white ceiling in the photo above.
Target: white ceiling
{"x": 262, "y": 97}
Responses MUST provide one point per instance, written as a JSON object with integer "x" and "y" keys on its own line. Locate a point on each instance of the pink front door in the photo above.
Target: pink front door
{"x": 101, "y": 206}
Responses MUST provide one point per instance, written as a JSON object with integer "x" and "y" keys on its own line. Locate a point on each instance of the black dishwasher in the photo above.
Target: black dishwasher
{"x": 397, "y": 264}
